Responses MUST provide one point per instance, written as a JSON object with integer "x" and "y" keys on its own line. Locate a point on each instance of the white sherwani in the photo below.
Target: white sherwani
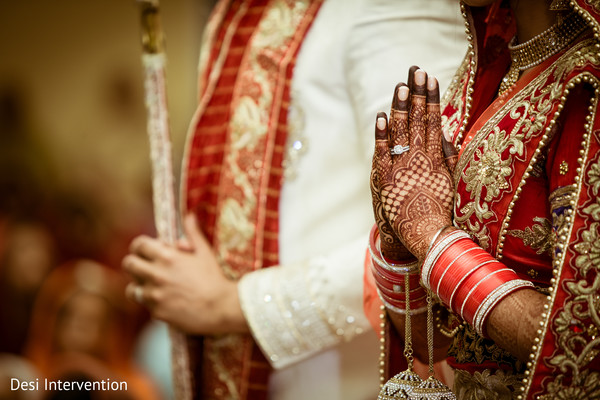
{"x": 306, "y": 314}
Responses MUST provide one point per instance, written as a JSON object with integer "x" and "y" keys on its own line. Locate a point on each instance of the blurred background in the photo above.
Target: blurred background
{"x": 75, "y": 187}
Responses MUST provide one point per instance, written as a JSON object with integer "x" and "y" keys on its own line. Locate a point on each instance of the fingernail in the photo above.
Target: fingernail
{"x": 380, "y": 123}
{"x": 431, "y": 83}
{"x": 403, "y": 93}
{"x": 420, "y": 77}
{"x": 447, "y": 136}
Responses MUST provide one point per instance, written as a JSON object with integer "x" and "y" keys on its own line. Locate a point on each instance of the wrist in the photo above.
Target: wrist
{"x": 466, "y": 278}
{"x": 397, "y": 281}
{"x": 395, "y": 253}
{"x": 434, "y": 237}
{"x": 232, "y": 316}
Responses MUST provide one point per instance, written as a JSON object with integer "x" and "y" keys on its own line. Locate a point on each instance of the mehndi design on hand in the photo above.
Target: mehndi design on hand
{"x": 415, "y": 187}
{"x": 391, "y": 246}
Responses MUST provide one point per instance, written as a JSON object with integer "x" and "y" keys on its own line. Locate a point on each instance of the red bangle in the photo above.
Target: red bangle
{"x": 391, "y": 279}
{"x": 416, "y": 307}
{"x": 397, "y": 286}
{"x": 459, "y": 269}
{"x": 463, "y": 290}
{"x": 478, "y": 262}
{"x": 448, "y": 261}
{"x": 436, "y": 250}
{"x": 481, "y": 288}
{"x": 468, "y": 279}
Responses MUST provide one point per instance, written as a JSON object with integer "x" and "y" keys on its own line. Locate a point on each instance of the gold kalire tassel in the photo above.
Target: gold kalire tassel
{"x": 401, "y": 385}
{"x": 431, "y": 388}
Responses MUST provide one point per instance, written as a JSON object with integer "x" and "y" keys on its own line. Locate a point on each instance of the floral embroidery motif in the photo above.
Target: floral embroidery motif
{"x": 594, "y": 176}
{"x": 532, "y": 273}
{"x": 577, "y": 325}
{"x": 540, "y": 236}
{"x": 594, "y": 3}
{"x": 485, "y": 177}
{"x": 588, "y": 390}
{"x": 499, "y": 385}
{"x": 468, "y": 347}
{"x": 489, "y": 171}
{"x": 589, "y": 250}
{"x": 594, "y": 210}
{"x": 484, "y": 167}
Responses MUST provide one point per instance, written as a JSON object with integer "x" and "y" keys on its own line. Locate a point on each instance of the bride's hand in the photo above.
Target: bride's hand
{"x": 391, "y": 246}
{"x": 414, "y": 183}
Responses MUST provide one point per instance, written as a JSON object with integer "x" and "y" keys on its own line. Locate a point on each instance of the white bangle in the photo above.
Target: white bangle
{"x": 494, "y": 298}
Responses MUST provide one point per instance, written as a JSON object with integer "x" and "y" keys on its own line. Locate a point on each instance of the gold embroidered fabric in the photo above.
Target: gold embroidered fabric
{"x": 578, "y": 325}
{"x": 502, "y": 172}
{"x": 540, "y": 236}
{"x": 486, "y": 385}
{"x": 489, "y": 159}
{"x": 469, "y": 347}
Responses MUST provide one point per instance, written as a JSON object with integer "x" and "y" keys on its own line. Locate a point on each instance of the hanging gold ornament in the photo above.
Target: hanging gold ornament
{"x": 400, "y": 385}
{"x": 431, "y": 388}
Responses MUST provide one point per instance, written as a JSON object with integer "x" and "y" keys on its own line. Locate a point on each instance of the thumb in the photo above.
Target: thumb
{"x": 193, "y": 234}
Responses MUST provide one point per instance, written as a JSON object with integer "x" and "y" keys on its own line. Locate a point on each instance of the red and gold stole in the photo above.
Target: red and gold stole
{"x": 233, "y": 172}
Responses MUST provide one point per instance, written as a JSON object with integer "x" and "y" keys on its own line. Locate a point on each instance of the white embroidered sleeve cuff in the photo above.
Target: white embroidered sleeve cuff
{"x": 290, "y": 325}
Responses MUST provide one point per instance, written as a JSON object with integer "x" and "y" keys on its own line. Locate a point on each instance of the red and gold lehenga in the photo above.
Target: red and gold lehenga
{"x": 528, "y": 191}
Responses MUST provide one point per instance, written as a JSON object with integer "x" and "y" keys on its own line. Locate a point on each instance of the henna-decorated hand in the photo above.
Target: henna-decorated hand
{"x": 415, "y": 186}
{"x": 391, "y": 246}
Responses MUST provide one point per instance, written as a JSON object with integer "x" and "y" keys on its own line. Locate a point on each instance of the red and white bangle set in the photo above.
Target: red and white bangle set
{"x": 390, "y": 279}
{"x": 466, "y": 278}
